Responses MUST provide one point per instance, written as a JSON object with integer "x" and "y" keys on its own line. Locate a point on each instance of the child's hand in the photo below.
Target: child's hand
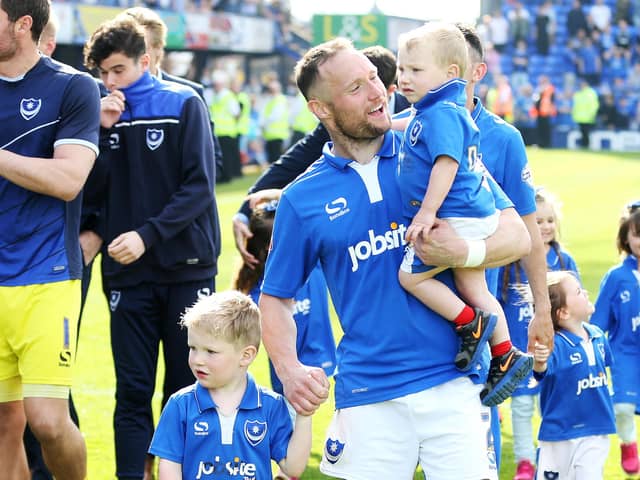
{"x": 540, "y": 356}
{"x": 420, "y": 226}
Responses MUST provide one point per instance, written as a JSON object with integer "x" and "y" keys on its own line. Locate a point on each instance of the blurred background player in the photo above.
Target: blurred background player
{"x": 617, "y": 311}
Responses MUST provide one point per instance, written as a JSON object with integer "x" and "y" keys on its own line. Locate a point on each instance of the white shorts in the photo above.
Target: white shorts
{"x": 467, "y": 228}
{"x": 441, "y": 428}
{"x": 577, "y": 459}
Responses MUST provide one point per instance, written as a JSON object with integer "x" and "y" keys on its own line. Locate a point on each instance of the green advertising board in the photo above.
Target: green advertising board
{"x": 363, "y": 30}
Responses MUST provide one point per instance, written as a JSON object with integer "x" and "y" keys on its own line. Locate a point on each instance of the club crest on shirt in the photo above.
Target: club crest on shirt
{"x": 414, "y": 134}
{"x": 155, "y": 138}
{"x": 255, "y": 431}
{"x": 333, "y": 450}
{"x": 548, "y": 475}
{"x": 29, "y": 107}
{"x": 114, "y": 300}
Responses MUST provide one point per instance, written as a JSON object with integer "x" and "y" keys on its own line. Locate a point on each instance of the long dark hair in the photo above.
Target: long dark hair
{"x": 261, "y": 225}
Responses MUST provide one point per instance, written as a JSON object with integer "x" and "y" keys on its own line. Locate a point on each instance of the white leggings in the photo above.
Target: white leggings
{"x": 625, "y": 421}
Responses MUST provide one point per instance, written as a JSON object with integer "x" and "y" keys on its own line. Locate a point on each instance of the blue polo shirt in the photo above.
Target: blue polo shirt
{"x": 442, "y": 126}
{"x": 348, "y": 217}
{"x": 574, "y": 393}
{"x": 51, "y": 105}
{"x": 617, "y": 311}
{"x": 189, "y": 433}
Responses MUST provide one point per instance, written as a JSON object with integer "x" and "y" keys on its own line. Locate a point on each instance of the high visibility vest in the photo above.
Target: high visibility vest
{"x": 304, "y": 121}
{"x": 245, "y": 113}
{"x": 585, "y": 106}
{"x": 220, "y": 110}
{"x": 276, "y": 128}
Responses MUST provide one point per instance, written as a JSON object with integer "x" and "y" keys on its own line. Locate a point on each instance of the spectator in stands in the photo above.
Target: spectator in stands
{"x": 520, "y": 60}
{"x": 576, "y": 19}
{"x": 502, "y": 104}
{"x": 275, "y": 120}
{"x": 243, "y": 124}
{"x": 588, "y": 62}
{"x": 623, "y": 36}
{"x": 545, "y": 27}
{"x": 600, "y": 12}
{"x": 585, "y": 111}
{"x": 616, "y": 64}
{"x": 522, "y": 118}
{"x": 544, "y": 110}
{"x": 499, "y": 31}
{"x": 484, "y": 29}
{"x": 519, "y": 21}
{"x": 609, "y": 116}
{"x": 624, "y": 11}
{"x": 224, "y": 110}
{"x": 564, "y": 106}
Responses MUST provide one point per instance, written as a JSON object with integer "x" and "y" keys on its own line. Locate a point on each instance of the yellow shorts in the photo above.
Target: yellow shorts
{"x": 38, "y": 329}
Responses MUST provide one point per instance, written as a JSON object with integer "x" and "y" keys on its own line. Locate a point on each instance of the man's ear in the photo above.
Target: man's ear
{"x": 479, "y": 71}
{"x": 392, "y": 88}
{"x": 23, "y": 26}
{"x": 145, "y": 61}
{"x": 319, "y": 109}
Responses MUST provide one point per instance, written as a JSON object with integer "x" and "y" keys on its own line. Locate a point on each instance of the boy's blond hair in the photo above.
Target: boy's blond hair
{"x": 444, "y": 40}
{"x": 231, "y": 316}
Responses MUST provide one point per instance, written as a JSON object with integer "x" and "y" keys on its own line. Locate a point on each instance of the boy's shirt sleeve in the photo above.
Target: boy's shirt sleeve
{"x": 169, "y": 438}
{"x": 282, "y": 429}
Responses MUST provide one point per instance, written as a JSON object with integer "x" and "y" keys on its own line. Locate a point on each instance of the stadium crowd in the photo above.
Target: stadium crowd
{"x": 562, "y": 42}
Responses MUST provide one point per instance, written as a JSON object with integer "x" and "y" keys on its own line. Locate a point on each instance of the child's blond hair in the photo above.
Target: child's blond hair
{"x": 231, "y": 316}
{"x": 444, "y": 40}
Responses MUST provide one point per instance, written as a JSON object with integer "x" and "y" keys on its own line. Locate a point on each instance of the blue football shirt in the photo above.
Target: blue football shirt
{"x": 442, "y": 126}
{"x": 348, "y": 217}
{"x": 51, "y": 105}
{"x": 574, "y": 393}
{"x": 617, "y": 311}
{"x": 190, "y": 433}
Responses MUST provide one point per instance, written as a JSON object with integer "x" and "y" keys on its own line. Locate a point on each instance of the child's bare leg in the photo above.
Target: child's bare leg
{"x": 473, "y": 325}
{"x": 509, "y": 366}
{"x": 433, "y": 293}
{"x": 472, "y": 287}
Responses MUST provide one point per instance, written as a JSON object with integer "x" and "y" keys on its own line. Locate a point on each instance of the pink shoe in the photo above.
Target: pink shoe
{"x": 525, "y": 470}
{"x": 629, "y": 457}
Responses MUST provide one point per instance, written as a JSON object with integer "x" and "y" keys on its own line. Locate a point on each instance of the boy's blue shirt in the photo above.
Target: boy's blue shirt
{"x": 189, "y": 433}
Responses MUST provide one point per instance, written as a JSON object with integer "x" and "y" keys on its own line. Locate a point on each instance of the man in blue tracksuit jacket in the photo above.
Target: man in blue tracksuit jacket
{"x": 158, "y": 226}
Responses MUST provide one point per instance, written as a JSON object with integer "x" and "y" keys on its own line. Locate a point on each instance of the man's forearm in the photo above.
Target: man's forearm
{"x": 278, "y": 331}
{"x": 509, "y": 243}
{"x": 535, "y": 266}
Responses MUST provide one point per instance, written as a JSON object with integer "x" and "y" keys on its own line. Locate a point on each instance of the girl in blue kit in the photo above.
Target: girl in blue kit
{"x": 548, "y": 216}
{"x": 618, "y": 313}
{"x": 577, "y": 410}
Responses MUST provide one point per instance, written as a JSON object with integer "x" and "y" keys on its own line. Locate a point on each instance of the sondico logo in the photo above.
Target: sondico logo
{"x": 233, "y": 468}
{"x": 336, "y": 208}
{"x": 592, "y": 382}
{"x": 377, "y": 244}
